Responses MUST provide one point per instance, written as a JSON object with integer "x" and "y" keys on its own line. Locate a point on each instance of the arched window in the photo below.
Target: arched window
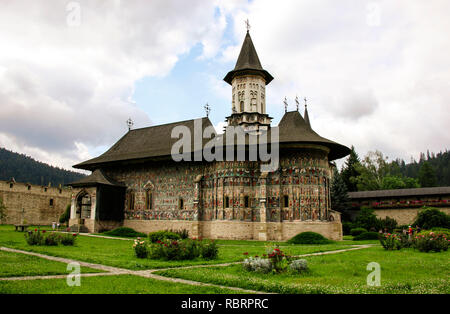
{"x": 285, "y": 201}
{"x": 242, "y": 106}
{"x": 148, "y": 199}
{"x": 246, "y": 201}
{"x": 130, "y": 200}
{"x": 227, "y": 202}
{"x": 180, "y": 204}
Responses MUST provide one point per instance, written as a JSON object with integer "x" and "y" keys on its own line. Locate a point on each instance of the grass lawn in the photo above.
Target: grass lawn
{"x": 16, "y": 264}
{"x": 405, "y": 271}
{"x": 127, "y": 284}
{"x": 119, "y": 253}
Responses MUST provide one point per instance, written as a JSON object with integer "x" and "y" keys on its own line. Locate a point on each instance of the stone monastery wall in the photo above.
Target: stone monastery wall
{"x": 42, "y": 204}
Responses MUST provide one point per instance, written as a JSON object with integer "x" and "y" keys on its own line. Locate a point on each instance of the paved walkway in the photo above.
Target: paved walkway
{"x": 112, "y": 271}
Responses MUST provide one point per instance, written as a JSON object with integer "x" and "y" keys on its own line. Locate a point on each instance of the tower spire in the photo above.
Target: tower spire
{"x": 306, "y": 116}
{"x": 248, "y": 80}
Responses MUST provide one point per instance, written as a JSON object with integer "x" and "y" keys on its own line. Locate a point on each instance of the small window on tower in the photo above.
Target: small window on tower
{"x": 51, "y": 202}
{"x": 227, "y": 202}
{"x": 242, "y": 106}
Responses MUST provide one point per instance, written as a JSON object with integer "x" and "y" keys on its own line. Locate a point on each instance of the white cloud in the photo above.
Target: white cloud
{"x": 377, "y": 86}
{"x": 66, "y": 89}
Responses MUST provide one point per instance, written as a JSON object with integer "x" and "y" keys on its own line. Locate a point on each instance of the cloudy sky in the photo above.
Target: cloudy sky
{"x": 376, "y": 73}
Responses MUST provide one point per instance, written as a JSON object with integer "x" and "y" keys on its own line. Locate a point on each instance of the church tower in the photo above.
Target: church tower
{"x": 248, "y": 81}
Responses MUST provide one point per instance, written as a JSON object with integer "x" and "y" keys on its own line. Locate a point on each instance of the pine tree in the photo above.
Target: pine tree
{"x": 339, "y": 196}
{"x": 427, "y": 175}
{"x": 350, "y": 170}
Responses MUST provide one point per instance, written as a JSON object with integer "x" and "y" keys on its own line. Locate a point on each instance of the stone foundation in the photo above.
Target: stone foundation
{"x": 240, "y": 230}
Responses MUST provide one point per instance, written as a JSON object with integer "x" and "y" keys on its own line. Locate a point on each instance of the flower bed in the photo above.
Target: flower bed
{"x": 432, "y": 242}
{"x": 275, "y": 261}
{"x": 173, "y": 250}
{"x": 428, "y": 241}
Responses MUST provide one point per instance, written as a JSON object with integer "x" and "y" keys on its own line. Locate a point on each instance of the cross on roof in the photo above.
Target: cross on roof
{"x": 207, "y": 109}
{"x": 296, "y": 101}
{"x": 305, "y": 101}
{"x": 247, "y": 24}
{"x": 285, "y": 104}
{"x": 130, "y": 124}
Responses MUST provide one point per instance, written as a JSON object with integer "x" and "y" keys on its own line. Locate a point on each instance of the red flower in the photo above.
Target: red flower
{"x": 35, "y": 229}
{"x": 245, "y": 253}
{"x": 43, "y": 231}
{"x": 74, "y": 234}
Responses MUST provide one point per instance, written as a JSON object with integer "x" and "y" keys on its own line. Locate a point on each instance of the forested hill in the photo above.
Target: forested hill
{"x": 439, "y": 170}
{"x": 27, "y": 170}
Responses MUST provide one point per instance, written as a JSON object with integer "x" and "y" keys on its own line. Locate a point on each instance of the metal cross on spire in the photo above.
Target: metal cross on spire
{"x": 247, "y": 25}
{"x": 305, "y": 102}
{"x": 296, "y": 101}
{"x": 130, "y": 124}
{"x": 285, "y": 104}
{"x": 207, "y": 109}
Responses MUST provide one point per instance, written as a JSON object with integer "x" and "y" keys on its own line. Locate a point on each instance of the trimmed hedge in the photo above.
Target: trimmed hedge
{"x": 357, "y": 231}
{"x": 367, "y": 236}
{"x": 309, "y": 237}
{"x": 125, "y": 232}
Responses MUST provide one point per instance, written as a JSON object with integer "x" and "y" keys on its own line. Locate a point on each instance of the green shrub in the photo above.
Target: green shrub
{"x": 64, "y": 218}
{"x": 51, "y": 239}
{"x": 388, "y": 224}
{"x": 140, "y": 248}
{"x": 125, "y": 232}
{"x": 298, "y": 265}
{"x": 183, "y": 233}
{"x": 68, "y": 239}
{"x": 34, "y": 237}
{"x": 429, "y": 217}
{"x": 367, "y": 236}
{"x": 209, "y": 250}
{"x": 391, "y": 242}
{"x": 367, "y": 219}
{"x": 163, "y": 235}
{"x": 257, "y": 264}
{"x": 357, "y": 231}
{"x": 309, "y": 237}
{"x": 431, "y": 242}
{"x": 437, "y": 231}
{"x": 346, "y": 227}
{"x": 187, "y": 249}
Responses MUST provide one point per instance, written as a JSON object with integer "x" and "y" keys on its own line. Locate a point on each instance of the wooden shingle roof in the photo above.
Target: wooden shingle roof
{"x": 97, "y": 177}
{"x": 400, "y": 192}
{"x": 154, "y": 141}
{"x": 248, "y": 63}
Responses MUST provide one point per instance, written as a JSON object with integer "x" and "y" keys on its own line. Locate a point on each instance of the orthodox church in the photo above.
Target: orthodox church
{"x": 138, "y": 184}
